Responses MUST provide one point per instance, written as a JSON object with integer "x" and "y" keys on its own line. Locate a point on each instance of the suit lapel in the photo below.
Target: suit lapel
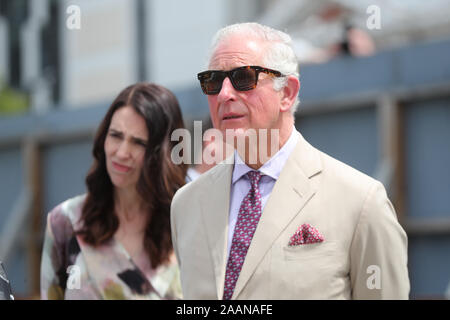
{"x": 291, "y": 192}
{"x": 215, "y": 204}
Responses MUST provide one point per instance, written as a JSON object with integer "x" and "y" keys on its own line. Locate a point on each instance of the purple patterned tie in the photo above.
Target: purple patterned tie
{"x": 248, "y": 218}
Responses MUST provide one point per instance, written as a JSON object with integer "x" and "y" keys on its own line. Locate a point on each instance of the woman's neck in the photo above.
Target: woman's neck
{"x": 128, "y": 205}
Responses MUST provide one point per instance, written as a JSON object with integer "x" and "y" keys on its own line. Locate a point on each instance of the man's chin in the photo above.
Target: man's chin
{"x": 234, "y": 129}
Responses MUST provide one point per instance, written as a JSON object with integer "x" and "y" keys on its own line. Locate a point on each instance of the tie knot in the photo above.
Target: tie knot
{"x": 254, "y": 176}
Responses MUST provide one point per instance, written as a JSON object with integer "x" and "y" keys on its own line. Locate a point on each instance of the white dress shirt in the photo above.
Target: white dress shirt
{"x": 241, "y": 183}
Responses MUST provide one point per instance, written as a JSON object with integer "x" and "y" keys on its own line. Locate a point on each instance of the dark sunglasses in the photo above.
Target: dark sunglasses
{"x": 242, "y": 78}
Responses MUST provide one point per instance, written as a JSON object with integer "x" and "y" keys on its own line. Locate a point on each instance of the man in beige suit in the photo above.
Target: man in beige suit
{"x": 318, "y": 229}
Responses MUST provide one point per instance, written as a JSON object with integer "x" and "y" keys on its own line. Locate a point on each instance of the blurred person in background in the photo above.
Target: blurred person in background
{"x": 298, "y": 225}
{"x": 356, "y": 42}
{"x": 114, "y": 242}
{"x": 208, "y": 146}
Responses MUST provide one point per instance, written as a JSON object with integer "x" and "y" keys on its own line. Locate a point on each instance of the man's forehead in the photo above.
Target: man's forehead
{"x": 237, "y": 51}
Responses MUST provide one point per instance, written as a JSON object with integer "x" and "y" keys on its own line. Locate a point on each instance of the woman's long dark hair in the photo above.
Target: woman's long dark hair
{"x": 159, "y": 180}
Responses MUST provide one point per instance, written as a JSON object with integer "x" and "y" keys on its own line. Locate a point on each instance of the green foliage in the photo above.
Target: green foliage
{"x": 12, "y": 101}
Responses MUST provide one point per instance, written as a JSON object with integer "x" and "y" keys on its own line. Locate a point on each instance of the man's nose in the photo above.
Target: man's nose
{"x": 227, "y": 92}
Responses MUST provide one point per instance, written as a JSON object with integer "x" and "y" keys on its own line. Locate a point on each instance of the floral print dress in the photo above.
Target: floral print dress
{"x": 73, "y": 269}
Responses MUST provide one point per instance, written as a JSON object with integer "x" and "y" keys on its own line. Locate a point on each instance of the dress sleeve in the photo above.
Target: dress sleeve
{"x": 51, "y": 265}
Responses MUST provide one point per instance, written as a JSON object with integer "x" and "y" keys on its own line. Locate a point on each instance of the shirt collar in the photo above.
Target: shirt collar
{"x": 271, "y": 168}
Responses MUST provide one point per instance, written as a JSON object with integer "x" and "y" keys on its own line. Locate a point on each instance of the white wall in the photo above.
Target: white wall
{"x": 99, "y": 59}
{"x": 179, "y": 37}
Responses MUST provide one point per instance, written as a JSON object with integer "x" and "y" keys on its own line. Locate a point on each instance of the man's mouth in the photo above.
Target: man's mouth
{"x": 232, "y": 116}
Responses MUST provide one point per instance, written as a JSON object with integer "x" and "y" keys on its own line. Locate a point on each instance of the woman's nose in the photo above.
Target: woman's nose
{"x": 124, "y": 150}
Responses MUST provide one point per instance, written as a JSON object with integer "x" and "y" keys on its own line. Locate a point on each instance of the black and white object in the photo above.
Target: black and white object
{"x": 5, "y": 287}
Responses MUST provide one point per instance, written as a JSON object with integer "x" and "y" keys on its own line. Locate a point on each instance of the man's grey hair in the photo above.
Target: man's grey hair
{"x": 279, "y": 56}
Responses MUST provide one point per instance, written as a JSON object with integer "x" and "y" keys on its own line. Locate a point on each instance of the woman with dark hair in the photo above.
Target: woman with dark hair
{"x": 114, "y": 242}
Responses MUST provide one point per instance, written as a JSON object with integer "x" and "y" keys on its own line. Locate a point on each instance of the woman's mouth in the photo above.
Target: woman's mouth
{"x": 120, "y": 167}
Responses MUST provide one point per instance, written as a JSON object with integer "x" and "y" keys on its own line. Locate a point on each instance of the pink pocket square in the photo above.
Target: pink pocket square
{"x": 306, "y": 234}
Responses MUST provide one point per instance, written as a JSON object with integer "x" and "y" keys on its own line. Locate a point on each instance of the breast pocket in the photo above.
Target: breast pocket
{"x": 306, "y": 251}
{"x": 306, "y": 271}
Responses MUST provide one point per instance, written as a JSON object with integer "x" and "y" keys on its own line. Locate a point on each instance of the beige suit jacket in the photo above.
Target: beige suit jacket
{"x": 363, "y": 255}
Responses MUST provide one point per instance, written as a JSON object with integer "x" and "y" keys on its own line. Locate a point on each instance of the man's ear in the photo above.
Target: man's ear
{"x": 289, "y": 93}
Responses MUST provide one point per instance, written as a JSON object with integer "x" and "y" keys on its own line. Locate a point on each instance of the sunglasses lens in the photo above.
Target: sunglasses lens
{"x": 244, "y": 79}
{"x": 212, "y": 83}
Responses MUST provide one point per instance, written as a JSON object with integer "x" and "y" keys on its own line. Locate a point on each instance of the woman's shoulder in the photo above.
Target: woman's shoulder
{"x": 69, "y": 210}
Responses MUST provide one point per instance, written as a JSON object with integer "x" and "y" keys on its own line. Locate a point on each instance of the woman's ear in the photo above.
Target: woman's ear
{"x": 289, "y": 93}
